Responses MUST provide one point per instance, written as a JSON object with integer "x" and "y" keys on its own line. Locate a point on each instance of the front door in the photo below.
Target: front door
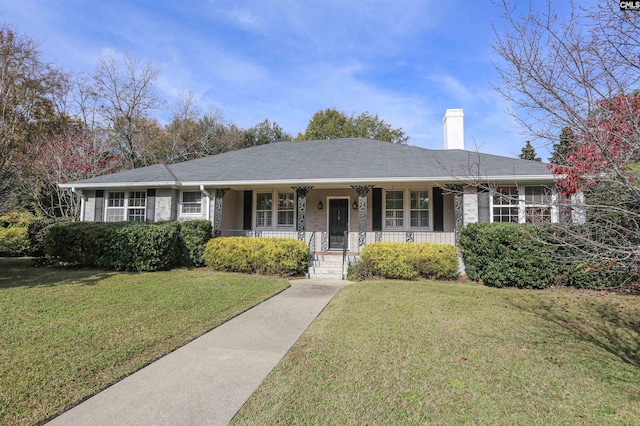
{"x": 338, "y": 222}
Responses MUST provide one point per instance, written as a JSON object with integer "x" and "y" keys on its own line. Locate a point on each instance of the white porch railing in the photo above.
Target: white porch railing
{"x": 319, "y": 241}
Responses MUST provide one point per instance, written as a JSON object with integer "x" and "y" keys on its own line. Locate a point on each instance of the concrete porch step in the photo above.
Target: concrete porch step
{"x": 329, "y": 265}
{"x": 325, "y": 277}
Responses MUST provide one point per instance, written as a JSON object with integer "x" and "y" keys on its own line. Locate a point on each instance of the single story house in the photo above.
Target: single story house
{"x": 325, "y": 190}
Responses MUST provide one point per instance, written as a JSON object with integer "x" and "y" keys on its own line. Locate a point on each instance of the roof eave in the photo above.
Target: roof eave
{"x": 352, "y": 181}
{"x": 119, "y": 184}
{"x": 392, "y": 179}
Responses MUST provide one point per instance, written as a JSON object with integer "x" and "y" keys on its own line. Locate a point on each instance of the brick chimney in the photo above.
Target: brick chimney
{"x": 453, "y": 127}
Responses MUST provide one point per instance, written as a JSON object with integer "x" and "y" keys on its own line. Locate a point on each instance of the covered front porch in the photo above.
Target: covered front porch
{"x": 338, "y": 218}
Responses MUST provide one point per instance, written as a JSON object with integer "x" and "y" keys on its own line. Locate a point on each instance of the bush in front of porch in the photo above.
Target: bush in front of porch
{"x": 128, "y": 246}
{"x": 406, "y": 261}
{"x": 272, "y": 256}
{"x": 506, "y": 255}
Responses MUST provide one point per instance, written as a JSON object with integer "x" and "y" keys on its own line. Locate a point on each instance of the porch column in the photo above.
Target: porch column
{"x": 458, "y": 209}
{"x": 301, "y": 223}
{"x": 362, "y": 191}
{"x": 217, "y": 213}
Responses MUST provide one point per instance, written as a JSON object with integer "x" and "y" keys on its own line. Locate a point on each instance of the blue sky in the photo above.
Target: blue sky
{"x": 405, "y": 60}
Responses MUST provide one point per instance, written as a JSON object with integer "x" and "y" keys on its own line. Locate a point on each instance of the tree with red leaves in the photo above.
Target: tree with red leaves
{"x": 574, "y": 69}
{"x": 604, "y": 152}
{"x": 65, "y": 158}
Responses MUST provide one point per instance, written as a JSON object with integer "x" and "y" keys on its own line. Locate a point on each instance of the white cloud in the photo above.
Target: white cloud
{"x": 286, "y": 59}
{"x": 244, "y": 18}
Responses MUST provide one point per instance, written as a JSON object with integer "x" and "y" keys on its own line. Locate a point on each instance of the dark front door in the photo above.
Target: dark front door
{"x": 338, "y": 221}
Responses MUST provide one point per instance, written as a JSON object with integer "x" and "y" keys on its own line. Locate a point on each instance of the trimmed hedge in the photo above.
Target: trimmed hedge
{"x": 122, "y": 246}
{"x": 274, "y": 256}
{"x": 14, "y": 241}
{"x": 195, "y": 235}
{"x": 406, "y": 261}
{"x": 506, "y": 255}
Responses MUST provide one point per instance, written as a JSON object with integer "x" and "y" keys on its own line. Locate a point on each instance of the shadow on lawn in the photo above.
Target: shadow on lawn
{"x": 603, "y": 324}
{"x": 20, "y": 272}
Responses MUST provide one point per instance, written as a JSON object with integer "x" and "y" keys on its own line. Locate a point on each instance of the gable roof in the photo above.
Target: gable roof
{"x": 351, "y": 160}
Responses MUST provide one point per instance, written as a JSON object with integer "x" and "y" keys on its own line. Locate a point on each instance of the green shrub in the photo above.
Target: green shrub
{"x": 359, "y": 271}
{"x": 281, "y": 256}
{"x": 14, "y": 241}
{"x": 16, "y": 218}
{"x": 276, "y": 256}
{"x": 583, "y": 259}
{"x": 506, "y": 255}
{"x": 233, "y": 254}
{"x": 599, "y": 276}
{"x": 123, "y": 246}
{"x": 437, "y": 261}
{"x": 407, "y": 261}
{"x": 36, "y": 232}
{"x": 195, "y": 235}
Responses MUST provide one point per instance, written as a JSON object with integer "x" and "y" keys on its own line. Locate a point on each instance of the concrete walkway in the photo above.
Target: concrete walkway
{"x": 209, "y": 379}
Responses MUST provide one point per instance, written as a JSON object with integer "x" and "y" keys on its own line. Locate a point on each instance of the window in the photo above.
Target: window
{"x": 136, "y": 206}
{"x": 133, "y": 203}
{"x": 115, "y": 207}
{"x": 263, "y": 209}
{"x": 394, "y": 209}
{"x": 420, "y": 209}
{"x": 505, "y": 204}
{"x": 537, "y": 204}
{"x": 286, "y": 207}
{"x": 192, "y": 202}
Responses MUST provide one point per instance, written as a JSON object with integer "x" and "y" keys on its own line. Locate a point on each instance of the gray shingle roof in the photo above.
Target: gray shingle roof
{"x": 337, "y": 159}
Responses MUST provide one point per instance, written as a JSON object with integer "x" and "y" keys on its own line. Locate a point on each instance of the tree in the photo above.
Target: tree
{"x": 63, "y": 158}
{"x": 571, "y": 72}
{"x": 29, "y": 90}
{"x": 604, "y": 154}
{"x": 529, "y": 153}
{"x": 125, "y": 87}
{"x": 334, "y": 124}
{"x": 190, "y": 135}
{"x": 564, "y": 148}
{"x": 263, "y": 133}
{"x": 328, "y": 124}
{"x": 373, "y": 127}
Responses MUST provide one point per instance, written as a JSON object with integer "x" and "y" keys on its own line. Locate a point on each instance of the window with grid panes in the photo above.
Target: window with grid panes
{"x": 192, "y": 202}
{"x": 505, "y": 204}
{"x": 263, "y": 209}
{"x": 115, "y": 207}
{"x": 286, "y": 209}
{"x": 419, "y": 209}
{"x": 537, "y": 200}
{"x": 394, "y": 209}
{"x": 136, "y": 206}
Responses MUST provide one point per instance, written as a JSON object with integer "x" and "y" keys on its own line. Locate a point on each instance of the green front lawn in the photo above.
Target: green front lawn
{"x": 68, "y": 333}
{"x": 386, "y": 352}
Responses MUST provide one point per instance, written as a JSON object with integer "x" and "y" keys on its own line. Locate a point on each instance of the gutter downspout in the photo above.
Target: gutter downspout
{"x": 82, "y": 200}
{"x": 206, "y": 193}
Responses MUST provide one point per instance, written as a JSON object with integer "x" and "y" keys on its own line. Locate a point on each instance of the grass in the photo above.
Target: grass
{"x": 386, "y": 352}
{"x": 68, "y": 333}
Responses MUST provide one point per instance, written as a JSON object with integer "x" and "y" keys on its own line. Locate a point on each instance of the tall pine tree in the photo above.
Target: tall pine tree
{"x": 529, "y": 153}
{"x": 563, "y": 149}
